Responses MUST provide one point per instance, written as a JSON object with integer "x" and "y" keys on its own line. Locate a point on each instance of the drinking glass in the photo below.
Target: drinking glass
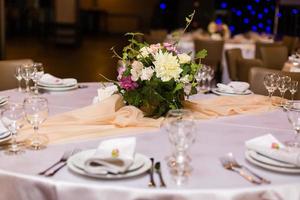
{"x": 36, "y": 112}
{"x": 293, "y": 88}
{"x": 38, "y": 72}
{"x": 293, "y": 114}
{"x": 26, "y": 73}
{"x": 270, "y": 82}
{"x": 180, "y": 126}
{"x": 18, "y": 76}
{"x": 283, "y": 83}
{"x": 12, "y": 117}
{"x": 201, "y": 77}
{"x": 210, "y": 77}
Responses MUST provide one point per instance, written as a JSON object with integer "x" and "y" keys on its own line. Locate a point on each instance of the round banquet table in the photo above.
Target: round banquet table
{"x": 209, "y": 180}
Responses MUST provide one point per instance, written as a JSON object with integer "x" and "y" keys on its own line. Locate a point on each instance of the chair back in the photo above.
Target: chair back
{"x": 291, "y": 43}
{"x": 274, "y": 56}
{"x": 232, "y": 55}
{"x": 7, "y": 71}
{"x": 259, "y": 45}
{"x": 244, "y": 66}
{"x": 256, "y": 80}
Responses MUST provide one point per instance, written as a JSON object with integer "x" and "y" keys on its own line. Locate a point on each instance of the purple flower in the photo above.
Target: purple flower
{"x": 170, "y": 47}
{"x": 121, "y": 70}
{"x": 128, "y": 84}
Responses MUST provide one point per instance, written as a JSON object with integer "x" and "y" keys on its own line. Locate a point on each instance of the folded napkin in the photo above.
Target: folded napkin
{"x": 49, "y": 79}
{"x": 265, "y": 146}
{"x": 104, "y": 93}
{"x": 112, "y": 156}
{"x": 233, "y": 87}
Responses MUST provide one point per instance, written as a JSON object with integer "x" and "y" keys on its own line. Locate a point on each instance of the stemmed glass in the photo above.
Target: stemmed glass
{"x": 293, "y": 88}
{"x": 270, "y": 82}
{"x": 201, "y": 77}
{"x": 12, "y": 118}
{"x": 283, "y": 83}
{"x": 18, "y": 75}
{"x": 180, "y": 126}
{"x": 209, "y": 77}
{"x": 36, "y": 112}
{"x": 38, "y": 72}
{"x": 293, "y": 113}
{"x": 26, "y": 73}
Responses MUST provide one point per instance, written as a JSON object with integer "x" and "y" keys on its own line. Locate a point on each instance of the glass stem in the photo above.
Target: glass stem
{"x": 293, "y": 96}
{"x": 14, "y": 145}
{"x": 36, "y": 130}
{"x": 19, "y": 88}
{"x": 27, "y": 86}
{"x": 282, "y": 96}
{"x": 297, "y": 135}
{"x": 36, "y": 88}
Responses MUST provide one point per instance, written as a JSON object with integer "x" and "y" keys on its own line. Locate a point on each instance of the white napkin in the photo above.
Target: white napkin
{"x": 49, "y": 79}
{"x": 233, "y": 87}
{"x": 105, "y": 92}
{"x": 114, "y": 156}
{"x": 263, "y": 145}
{"x": 3, "y": 131}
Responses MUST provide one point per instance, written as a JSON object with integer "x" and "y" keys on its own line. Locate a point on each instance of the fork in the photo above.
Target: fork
{"x": 151, "y": 170}
{"x": 64, "y": 163}
{"x": 158, "y": 171}
{"x": 228, "y": 165}
{"x": 237, "y": 165}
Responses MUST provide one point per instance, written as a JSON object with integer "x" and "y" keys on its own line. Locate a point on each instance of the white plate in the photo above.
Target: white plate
{"x": 59, "y": 88}
{"x": 265, "y": 165}
{"x": 67, "y": 82}
{"x": 141, "y": 164}
{"x": 5, "y": 139}
{"x": 218, "y": 92}
{"x": 4, "y": 134}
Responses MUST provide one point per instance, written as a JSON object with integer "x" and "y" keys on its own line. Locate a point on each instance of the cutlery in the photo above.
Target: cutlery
{"x": 151, "y": 171}
{"x": 228, "y": 165}
{"x": 234, "y": 163}
{"x": 64, "y": 163}
{"x": 158, "y": 171}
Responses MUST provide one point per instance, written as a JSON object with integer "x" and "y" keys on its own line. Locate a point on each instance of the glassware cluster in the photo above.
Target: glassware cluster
{"x": 204, "y": 77}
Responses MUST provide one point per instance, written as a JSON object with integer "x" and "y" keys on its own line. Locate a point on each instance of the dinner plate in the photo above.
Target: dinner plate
{"x": 267, "y": 163}
{"x": 59, "y": 88}
{"x": 141, "y": 164}
{"x": 218, "y": 92}
{"x": 67, "y": 82}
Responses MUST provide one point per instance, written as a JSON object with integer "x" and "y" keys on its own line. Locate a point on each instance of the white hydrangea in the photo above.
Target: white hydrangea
{"x": 147, "y": 73}
{"x": 184, "y": 58}
{"x": 136, "y": 70}
{"x": 166, "y": 66}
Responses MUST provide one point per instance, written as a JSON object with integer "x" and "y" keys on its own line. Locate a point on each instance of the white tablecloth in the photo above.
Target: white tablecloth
{"x": 209, "y": 180}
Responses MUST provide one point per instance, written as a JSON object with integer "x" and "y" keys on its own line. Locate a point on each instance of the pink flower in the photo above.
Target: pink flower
{"x": 154, "y": 48}
{"x": 127, "y": 83}
{"x": 170, "y": 47}
{"x": 121, "y": 70}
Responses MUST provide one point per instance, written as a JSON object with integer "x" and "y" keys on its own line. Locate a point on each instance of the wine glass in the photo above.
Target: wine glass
{"x": 38, "y": 72}
{"x": 210, "y": 77}
{"x": 270, "y": 82}
{"x": 293, "y": 114}
{"x": 26, "y": 73}
{"x": 12, "y": 117}
{"x": 36, "y": 112}
{"x": 293, "y": 88}
{"x": 18, "y": 76}
{"x": 180, "y": 126}
{"x": 283, "y": 83}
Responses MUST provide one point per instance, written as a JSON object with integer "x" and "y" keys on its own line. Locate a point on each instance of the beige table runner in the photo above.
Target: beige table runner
{"x": 110, "y": 117}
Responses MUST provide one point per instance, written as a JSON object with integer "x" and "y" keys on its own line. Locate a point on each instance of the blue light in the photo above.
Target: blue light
{"x": 223, "y": 5}
{"x": 249, "y": 7}
{"x": 232, "y": 28}
{"x": 268, "y": 29}
{"x": 260, "y": 16}
{"x": 266, "y": 10}
{"x": 246, "y": 20}
{"x": 260, "y": 25}
{"x": 163, "y": 6}
{"x": 295, "y": 11}
{"x": 218, "y": 21}
{"x": 239, "y": 13}
{"x": 279, "y": 14}
{"x": 257, "y": 1}
{"x": 253, "y": 12}
{"x": 254, "y": 28}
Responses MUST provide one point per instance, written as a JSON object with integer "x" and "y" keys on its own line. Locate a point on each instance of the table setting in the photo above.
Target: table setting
{"x": 151, "y": 134}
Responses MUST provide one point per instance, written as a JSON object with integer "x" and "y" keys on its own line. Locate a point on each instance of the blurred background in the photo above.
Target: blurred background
{"x": 72, "y": 38}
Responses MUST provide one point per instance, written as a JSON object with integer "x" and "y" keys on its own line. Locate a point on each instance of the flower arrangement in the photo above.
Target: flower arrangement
{"x": 156, "y": 77}
{"x": 218, "y": 30}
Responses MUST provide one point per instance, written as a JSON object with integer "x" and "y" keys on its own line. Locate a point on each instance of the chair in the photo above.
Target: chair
{"x": 274, "y": 56}
{"x": 232, "y": 55}
{"x": 256, "y": 80}
{"x": 214, "y": 56}
{"x": 244, "y": 66}
{"x": 291, "y": 43}
{"x": 259, "y": 45}
{"x": 7, "y": 71}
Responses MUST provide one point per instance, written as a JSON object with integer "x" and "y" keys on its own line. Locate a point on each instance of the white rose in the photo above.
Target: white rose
{"x": 166, "y": 66}
{"x": 147, "y": 73}
{"x": 136, "y": 70}
{"x": 184, "y": 58}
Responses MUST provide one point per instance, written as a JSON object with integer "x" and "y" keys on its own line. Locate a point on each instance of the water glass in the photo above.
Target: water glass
{"x": 293, "y": 114}
{"x": 26, "y": 73}
{"x": 36, "y": 112}
{"x": 38, "y": 72}
{"x": 293, "y": 88}
{"x": 180, "y": 126}
{"x": 271, "y": 84}
{"x": 12, "y": 117}
{"x": 18, "y": 76}
{"x": 283, "y": 84}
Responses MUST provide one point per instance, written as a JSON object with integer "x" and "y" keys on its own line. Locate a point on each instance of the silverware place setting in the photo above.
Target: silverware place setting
{"x": 156, "y": 168}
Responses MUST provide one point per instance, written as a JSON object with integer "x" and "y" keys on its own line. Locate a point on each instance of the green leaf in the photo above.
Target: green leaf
{"x": 201, "y": 54}
{"x": 179, "y": 86}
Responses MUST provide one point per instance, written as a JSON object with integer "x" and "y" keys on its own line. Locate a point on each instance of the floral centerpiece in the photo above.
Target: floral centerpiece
{"x": 156, "y": 77}
{"x": 218, "y": 30}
